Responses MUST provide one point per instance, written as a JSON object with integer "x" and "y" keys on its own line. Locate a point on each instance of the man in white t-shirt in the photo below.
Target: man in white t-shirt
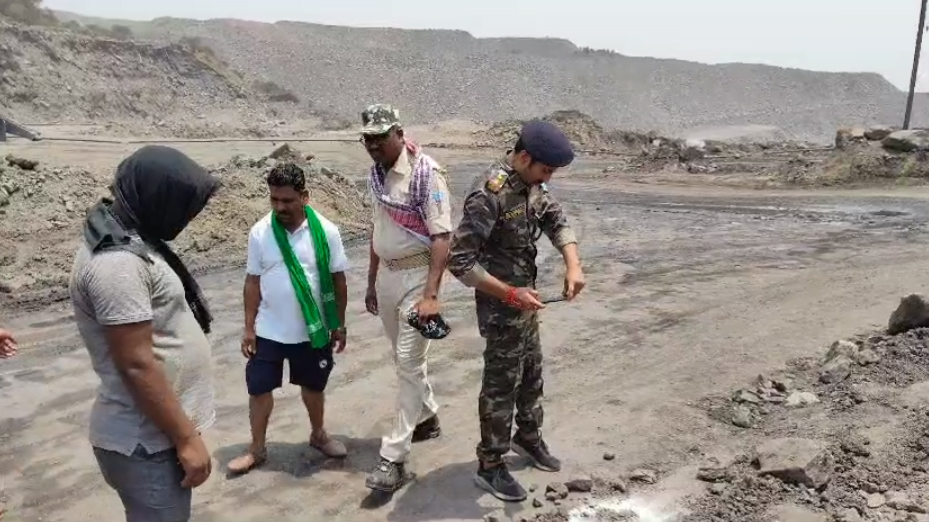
{"x": 277, "y": 326}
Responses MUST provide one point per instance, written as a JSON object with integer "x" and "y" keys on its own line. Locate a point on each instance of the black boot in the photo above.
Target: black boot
{"x": 387, "y": 476}
{"x": 537, "y": 453}
{"x": 427, "y": 429}
{"x": 498, "y": 482}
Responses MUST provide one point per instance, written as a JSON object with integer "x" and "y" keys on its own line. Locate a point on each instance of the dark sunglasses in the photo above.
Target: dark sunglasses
{"x": 374, "y": 139}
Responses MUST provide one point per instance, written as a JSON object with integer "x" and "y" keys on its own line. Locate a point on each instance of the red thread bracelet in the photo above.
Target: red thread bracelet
{"x": 511, "y": 297}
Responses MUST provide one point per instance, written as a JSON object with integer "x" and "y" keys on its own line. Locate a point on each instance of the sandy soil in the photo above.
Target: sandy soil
{"x": 692, "y": 292}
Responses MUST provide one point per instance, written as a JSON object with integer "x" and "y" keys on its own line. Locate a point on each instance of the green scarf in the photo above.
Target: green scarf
{"x": 319, "y": 334}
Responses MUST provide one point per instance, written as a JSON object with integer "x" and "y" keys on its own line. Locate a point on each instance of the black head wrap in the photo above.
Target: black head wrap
{"x": 159, "y": 191}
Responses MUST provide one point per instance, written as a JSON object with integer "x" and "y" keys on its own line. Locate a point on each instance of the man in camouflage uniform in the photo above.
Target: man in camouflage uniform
{"x": 493, "y": 250}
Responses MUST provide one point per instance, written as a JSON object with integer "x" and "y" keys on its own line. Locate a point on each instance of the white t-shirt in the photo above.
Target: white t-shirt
{"x": 279, "y": 316}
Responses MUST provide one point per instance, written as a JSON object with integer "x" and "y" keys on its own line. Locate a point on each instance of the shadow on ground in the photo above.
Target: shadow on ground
{"x": 447, "y": 493}
{"x": 299, "y": 460}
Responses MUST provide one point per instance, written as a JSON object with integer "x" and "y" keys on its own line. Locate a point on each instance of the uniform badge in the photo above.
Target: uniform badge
{"x": 514, "y": 213}
{"x": 496, "y": 183}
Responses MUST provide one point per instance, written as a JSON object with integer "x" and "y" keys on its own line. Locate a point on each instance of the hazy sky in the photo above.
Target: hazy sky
{"x": 828, "y": 35}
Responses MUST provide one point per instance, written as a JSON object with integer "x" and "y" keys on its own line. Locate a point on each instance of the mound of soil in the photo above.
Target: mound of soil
{"x": 42, "y": 212}
{"x": 57, "y": 74}
{"x": 862, "y": 164}
{"x": 819, "y": 401}
{"x": 583, "y": 131}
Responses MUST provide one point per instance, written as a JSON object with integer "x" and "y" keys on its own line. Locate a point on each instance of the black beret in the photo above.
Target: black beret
{"x": 547, "y": 144}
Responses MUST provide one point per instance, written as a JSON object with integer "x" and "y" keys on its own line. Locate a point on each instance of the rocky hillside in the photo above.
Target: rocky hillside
{"x": 40, "y": 201}
{"x": 439, "y": 74}
{"x": 56, "y": 74}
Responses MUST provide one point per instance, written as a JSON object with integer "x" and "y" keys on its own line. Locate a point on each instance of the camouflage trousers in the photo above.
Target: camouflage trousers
{"x": 512, "y": 381}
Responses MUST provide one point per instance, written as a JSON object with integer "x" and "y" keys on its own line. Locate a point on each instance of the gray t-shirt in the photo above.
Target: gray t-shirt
{"x": 118, "y": 287}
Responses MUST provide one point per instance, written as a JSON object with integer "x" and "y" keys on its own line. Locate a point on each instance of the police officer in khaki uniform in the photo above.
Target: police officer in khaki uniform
{"x": 493, "y": 250}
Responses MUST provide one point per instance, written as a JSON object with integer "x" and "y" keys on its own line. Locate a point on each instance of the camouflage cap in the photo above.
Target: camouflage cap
{"x": 379, "y": 119}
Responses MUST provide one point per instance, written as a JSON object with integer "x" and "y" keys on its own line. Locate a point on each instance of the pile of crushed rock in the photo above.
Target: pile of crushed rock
{"x": 831, "y": 473}
{"x": 576, "y": 497}
{"x": 886, "y": 136}
{"x": 42, "y": 210}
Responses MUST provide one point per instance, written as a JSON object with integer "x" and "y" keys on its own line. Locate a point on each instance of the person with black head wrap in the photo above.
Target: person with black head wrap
{"x": 494, "y": 251}
{"x": 144, "y": 322}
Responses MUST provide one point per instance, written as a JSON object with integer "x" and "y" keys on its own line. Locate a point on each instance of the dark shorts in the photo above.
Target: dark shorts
{"x": 309, "y": 368}
{"x": 149, "y": 484}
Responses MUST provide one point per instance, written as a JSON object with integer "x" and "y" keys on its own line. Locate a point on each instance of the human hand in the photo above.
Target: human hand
{"x": 427, "y": 307}
{"x": 248, "y": 343}
{"x": 573, "y": 282}
{"x": 8, "y": 346}
{"x": 524, "y": 299}
{"x": 338, "y": 338}
{"x": 371, "y": 301}
{"x": 196, "y": 461}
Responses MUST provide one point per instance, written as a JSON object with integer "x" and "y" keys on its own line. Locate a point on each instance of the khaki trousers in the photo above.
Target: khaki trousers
{"x": 397, "y": 292}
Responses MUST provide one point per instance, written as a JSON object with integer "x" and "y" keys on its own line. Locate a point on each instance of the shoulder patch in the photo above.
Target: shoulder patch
{"x": 495, "y": 183}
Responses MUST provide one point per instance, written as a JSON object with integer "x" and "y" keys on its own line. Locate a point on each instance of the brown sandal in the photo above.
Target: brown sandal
{"x": 330, "y": 448}
{"x": 247, "y": 462}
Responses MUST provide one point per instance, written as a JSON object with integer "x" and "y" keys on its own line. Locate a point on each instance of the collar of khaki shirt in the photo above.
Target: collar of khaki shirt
{"x": 402, "y": 165}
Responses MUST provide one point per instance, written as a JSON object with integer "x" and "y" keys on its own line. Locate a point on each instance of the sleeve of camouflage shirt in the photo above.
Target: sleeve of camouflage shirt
{"x": 481, "y": 209}
{"x": 554, "y": 223}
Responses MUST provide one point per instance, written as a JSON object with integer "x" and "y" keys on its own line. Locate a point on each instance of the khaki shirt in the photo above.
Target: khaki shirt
{"x": 391, "y": 241}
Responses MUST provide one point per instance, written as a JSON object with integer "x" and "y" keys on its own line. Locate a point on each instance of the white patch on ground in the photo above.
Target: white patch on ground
{"x": 644, "y": 511}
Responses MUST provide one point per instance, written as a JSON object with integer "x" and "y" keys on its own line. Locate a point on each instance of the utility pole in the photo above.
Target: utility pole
{"x": 919, "y": 44}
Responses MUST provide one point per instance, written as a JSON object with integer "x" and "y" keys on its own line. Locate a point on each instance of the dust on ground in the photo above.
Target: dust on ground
{"x": 692, "y": 290}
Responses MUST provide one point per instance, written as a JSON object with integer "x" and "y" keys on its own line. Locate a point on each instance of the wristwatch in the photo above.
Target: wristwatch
{"x": 341, "y": 330}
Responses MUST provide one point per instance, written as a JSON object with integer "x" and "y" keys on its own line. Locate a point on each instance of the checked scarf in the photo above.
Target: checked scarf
{"x": 412, "y": 216}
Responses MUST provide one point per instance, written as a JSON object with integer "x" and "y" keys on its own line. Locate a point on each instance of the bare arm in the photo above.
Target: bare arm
{"x": 338, "y": 266}
{"x": 8, "y": 345}
{"x": 438, "y": 259}
{"x": 555, "y": 225}
{"x": 251, "y": 293}
{"x": 341, "y": 295}
{"x": 131, "y": 350}
{"x": 373, "y": 262}
{"x": 572, "y": 259}
{"x": 251, "y": 296}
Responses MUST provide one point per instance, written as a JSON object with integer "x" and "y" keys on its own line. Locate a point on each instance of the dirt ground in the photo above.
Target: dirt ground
{"x": 693, "y": 290}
